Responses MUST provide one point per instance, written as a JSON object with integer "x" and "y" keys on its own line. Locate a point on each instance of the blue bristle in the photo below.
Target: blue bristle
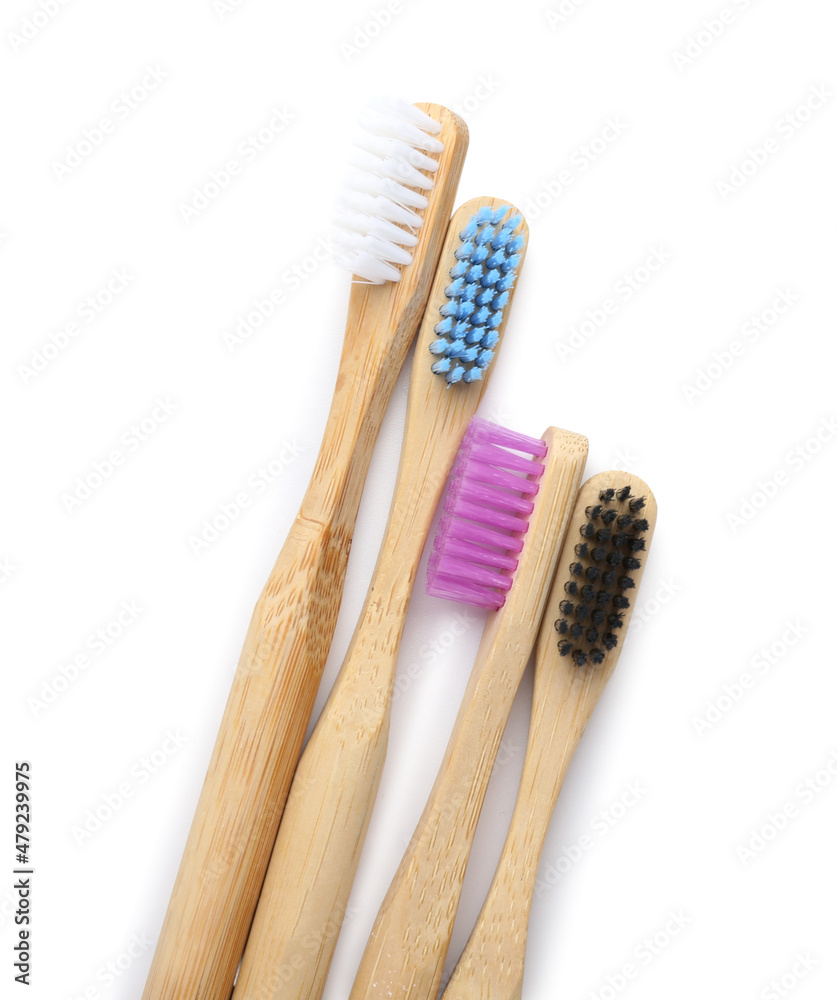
{"x": 484, "y": 272}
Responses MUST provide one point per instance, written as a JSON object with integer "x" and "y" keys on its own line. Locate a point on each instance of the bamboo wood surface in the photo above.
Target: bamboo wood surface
{"x": 491, "y": 965}
{"x": 405, "y": 954}
{"x": 273, "y": 690}
{"x": 318, "y": 848}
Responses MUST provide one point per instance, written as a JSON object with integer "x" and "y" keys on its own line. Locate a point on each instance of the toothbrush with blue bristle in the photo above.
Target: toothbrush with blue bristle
{"x": 318, "y": 847}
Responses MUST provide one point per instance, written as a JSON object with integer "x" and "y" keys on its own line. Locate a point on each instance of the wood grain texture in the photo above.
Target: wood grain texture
{"x": 491, "y": 965}
{"x": 405, "y": 955}
{"x": 273, "y": 691}
{"x": 315, "y": 858}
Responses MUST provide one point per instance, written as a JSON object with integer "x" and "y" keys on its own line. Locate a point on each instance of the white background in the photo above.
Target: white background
{"x": 535, "y": 90}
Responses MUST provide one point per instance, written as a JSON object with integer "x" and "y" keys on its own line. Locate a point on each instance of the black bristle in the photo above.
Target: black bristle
{"x": 599, "y": 576}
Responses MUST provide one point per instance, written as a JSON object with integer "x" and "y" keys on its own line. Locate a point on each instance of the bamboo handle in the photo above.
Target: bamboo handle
{"x": 273, "y": 691}
{"x": 565, "y": 695}
{"x": 317, "y": 850}
{"x": 406, "y": 951}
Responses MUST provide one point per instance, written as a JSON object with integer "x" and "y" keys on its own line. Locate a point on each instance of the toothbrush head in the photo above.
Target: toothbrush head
{"x": 487, "y": 264}
{"x": 601, "y": 565}
{"x": 379, "y": 211}
{"x": 489, "y": 500}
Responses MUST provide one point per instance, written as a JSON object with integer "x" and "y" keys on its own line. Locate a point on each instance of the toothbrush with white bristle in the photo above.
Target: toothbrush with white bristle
{"x": 274, "y": 687}
{"x": 318, "y": 848}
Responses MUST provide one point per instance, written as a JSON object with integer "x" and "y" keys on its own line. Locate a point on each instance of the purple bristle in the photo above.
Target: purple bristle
{"x": 487, "y": 506}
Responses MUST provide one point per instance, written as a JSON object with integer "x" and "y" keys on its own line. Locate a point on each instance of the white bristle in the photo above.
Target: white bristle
{"x": 376, "y": 213}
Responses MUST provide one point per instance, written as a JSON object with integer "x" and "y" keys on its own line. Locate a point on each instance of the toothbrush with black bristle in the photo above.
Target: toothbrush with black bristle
{"x": 582, "y": 635}
{"x": 321, "y": 835}
{"x": 391, "y": 227}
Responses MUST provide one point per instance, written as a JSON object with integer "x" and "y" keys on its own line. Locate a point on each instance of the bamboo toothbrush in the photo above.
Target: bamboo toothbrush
{"x": 322, "y": 831}
{"x": 407, "y": 177}
{"x": 406, "y": 951}
{"x": 611, "y": 525}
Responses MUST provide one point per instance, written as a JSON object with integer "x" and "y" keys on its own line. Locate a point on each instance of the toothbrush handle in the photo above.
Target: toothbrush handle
{"x": 274, "y": 686}
{"x": 317, "y": 851}
{"x": 491, "y": 964}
